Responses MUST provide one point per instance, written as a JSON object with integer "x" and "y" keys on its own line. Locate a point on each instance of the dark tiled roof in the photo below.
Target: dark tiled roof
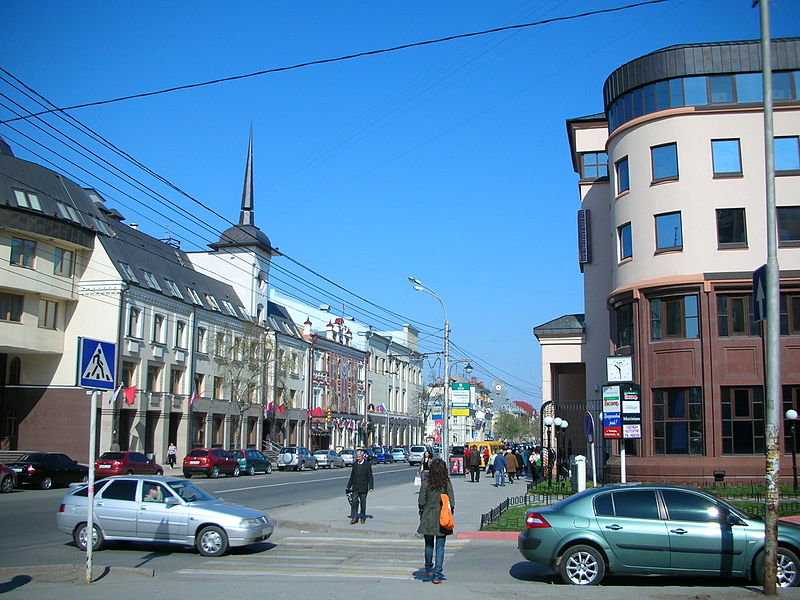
{"x": 279, "y": 320}
{"x": 564, "y": 325}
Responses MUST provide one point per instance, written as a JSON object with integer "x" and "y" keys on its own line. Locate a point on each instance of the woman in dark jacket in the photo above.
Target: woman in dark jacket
{"x": 430, "y": 503}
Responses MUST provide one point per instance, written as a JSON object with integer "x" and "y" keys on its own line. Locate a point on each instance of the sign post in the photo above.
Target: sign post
{"x": 96, "y": 371}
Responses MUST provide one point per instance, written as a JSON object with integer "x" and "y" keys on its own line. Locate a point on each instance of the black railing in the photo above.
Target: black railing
{"x": 495, "y": 516}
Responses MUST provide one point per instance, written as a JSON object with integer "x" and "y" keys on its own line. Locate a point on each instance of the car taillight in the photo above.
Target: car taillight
{"x": 61, "y": 508}
{"x": 30, "y": 469}
{"x": 117, "y": 463}
{"x": 535, "y": 521}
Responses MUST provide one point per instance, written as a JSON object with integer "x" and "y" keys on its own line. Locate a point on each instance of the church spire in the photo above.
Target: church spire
{"x": 246, "y": 217}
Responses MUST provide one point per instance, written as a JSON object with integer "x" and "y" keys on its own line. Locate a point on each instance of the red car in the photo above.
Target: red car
{"x": 210, "y": 462}
{"x": 8, "y": 479}
{"x": 126, "y": 463}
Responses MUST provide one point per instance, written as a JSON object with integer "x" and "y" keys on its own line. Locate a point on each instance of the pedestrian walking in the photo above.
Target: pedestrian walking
{"x": 360, "y": 484}
{"x": 499, "y": 465}
{"x": 474, "y": 464}
{"x": 511, "y": 466}
{"x": 172, "y": 453}
{"x": 424, "y": 465}
{"x": 430, "y": 505}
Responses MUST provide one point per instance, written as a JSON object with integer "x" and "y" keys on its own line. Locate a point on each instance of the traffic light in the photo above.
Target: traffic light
{"x": 329, "y": 418}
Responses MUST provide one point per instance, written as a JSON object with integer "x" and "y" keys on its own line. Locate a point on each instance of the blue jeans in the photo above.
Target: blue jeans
{"x": 499, "y": 477}
{"x": 430, "y": 565}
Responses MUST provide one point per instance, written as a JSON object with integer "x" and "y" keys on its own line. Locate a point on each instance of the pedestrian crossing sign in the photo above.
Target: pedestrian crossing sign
{"x": 96, "y": 364}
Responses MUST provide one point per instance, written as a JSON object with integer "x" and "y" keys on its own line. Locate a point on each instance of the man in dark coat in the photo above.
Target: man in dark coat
{"x": 360, "y": 483}
{"x": 474, "y": 464}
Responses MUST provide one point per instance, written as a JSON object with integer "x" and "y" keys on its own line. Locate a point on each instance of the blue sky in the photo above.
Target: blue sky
{"x": 448, "y": 162}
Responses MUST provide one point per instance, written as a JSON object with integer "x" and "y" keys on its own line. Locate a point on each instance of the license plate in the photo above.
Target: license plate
{"x": 194, "y": 462}
{"x": 105, "y": 466}
{"x": 17, "y": 469}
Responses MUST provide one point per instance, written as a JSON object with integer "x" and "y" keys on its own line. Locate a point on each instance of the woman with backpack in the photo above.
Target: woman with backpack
{"x": 429, "y": 502}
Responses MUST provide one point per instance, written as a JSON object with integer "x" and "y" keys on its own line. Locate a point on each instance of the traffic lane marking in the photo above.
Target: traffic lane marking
{"x": 285, "y": 483}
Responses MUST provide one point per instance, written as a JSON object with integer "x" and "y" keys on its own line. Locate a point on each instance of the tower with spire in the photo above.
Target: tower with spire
{"x": 243, "y": 252}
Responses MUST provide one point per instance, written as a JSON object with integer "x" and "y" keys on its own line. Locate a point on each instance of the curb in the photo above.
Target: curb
{"x": 309, "y": 526}
{"x": 68, "y": 572}
{"x": 487, "y": 535}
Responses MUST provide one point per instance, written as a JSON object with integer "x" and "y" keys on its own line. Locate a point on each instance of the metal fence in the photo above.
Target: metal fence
{"x": 495, "y": 516}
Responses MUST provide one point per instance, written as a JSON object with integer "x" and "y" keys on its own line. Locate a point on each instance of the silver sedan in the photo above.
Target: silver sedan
{"x": 160, "y": 509}
{"x": 328, "y": 458}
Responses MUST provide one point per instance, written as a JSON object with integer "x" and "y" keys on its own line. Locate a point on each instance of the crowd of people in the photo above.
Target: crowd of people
{"x": 511, "y": 463}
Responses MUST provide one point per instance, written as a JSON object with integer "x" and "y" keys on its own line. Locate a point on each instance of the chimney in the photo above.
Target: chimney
{"x": 307, "y": 327}
{"x": 329, "y": 331}
{"x": 134, "y": 226}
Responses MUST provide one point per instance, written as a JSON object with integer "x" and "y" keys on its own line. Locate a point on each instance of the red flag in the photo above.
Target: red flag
{"x": 281, "y": 409}
{"x": 193, "y": 397}
{"x": 130, "y": 395}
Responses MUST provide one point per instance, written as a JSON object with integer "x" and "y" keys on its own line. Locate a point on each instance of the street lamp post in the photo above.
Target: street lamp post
{"x": 420, "y": 287}
{"x": 548, "y": 422}
{"x": 562, "y": 429}
{"x": 791, "y": 416}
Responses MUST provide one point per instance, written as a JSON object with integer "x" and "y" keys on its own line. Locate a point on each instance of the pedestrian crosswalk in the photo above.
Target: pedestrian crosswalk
{"x": 328, "y": 557}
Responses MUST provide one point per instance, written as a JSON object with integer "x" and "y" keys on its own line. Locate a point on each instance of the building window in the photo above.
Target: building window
{"x": 65, "y": 211}
{"x": 625, "y": 242}
{"x": 790, "y": 314}
{"x": 128, "y": 272}
{"x": 674, "y": 318}
{"x": 720, "y": 89}
{"x": 695, "y": 91}
{"x": 180, "y": 334}
{"x": 48, "y": 313}
{"x": 789, "y": 225}
{"x": 10, "y": 307}
{"x": 669, "y": 235}
{"x": 199, "y": 384}
{"x": 174, "y": 289}
{"x": 594, "y": 165}
{"x": 63, "y": 261}
{"x": 193, "y": 295}
{"x": 218, "y": 383}
{"x": 665, "y": 162}
{"x": 27, "y": 200}
{"x": 782, "y": 86}
{"x": 787, "y": 155}
{"x": 731, "y": 228}
{"x": 727, "y": 158}
{"x": 749, "y": 87}
{"x": 742, "y": 420}
{"x": 175, "y": 376}
{"x": 134, "y": 322}
{"x": 151, "y": 280}
{"x": 23, "y": 252}
{"x": 212, "y": 302}
{"x": 153, "y": 373}
{"x": 218, "y": 429}
{"x": 735, "y": 315}
{"x": 202, "y": 339}
{"x": 219, "y": 344}
{"x": 128, "y": 370}
{"x": 158, "y": 329}
{"x": 678, "y": 421}
{"x": 624, "y": 325}
{"x": 623, "y": 178}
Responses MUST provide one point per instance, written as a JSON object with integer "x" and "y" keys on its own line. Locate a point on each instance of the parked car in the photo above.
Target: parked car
{"x": 126, "y": 463}
{"x": 252, "y": 460}
{"x": 211, "y": 462}
{"x": 415, "y": 454}
{"x": 653, "y": 529}
{"x": 160, "y": 509}
{"x": 8, "y": 479}
{"x": 399, "y": 455}
{"x": 348, "y": 456}
{"x": 328, "y": 458}
{"x": 369, "y": 455}
{"x": 296, "y": 457}
{"x": 382, "y": 454}
{"x": 48, "y": 469}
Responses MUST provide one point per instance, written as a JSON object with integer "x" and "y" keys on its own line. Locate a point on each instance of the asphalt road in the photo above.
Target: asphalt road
{"x": 29, "y": 535}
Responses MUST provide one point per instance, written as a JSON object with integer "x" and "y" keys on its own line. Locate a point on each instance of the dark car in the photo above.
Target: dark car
{"x": 211, "y": 462}
{"x": 252, "y": 460}
{"x": 653, "y": 529}
{"x": 125, "y": 463}
{"x": 48, "y": 469}
{"x": 382, "y": 454}
{"x": 8, "y": 479}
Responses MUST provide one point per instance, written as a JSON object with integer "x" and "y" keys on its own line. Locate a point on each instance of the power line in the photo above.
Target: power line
{"x": 341, "y": 58}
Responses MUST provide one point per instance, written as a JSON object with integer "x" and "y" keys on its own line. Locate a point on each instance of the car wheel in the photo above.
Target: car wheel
{"x": 187, "y": 475}
{"x": 316, "y": 466}
{"x": 236, "y": 471}
{"x": 7, "y": 484}
{"x": 251, "y": 470}
{"x": 81, "y": 534}
{"x": 268, "y": 470}
{"x": 85, "y": 478}
{"x": 46, "y": 483}
{"x": 788, "y": 566}
{"x": 582, "y": 565}
{"x": 159, "y": 473}
{"x": 212, "y": 541}
{"x": 301, "y": 466}
{"x": 129, "y": 472}
{"x": 214, "y": 472}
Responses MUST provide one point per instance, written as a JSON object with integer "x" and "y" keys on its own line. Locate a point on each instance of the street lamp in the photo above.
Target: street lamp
{"x": 420, "y": 287}
{"x": 562, "y": 429}
{"x": 791, "y": 416}
{"x": 548, "y": 422}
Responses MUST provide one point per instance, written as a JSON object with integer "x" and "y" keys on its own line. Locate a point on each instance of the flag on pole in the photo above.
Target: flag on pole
{"x": 194, "y": 396}
{"x": 130, "y": 395}
{"x": 113, "y": 398}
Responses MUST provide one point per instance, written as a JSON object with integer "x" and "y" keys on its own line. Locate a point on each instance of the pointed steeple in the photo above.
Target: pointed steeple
{"x": 246, "y": 217}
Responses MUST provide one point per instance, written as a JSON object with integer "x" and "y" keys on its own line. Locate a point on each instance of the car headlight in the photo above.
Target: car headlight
{"x": 256, "y": 522}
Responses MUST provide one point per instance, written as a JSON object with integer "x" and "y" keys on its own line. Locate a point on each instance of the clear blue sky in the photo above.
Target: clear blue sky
{"x": 449, "y": 162}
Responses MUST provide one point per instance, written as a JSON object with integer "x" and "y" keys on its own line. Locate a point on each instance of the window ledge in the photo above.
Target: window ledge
{"x": 671, "y": 250}
{"x": 663, "y": 180}
{"x": 622, "y": 194}
{"x": 787, "y": 173}
{"x": 789, "y": 244}
{"x": 625, "y": 260}
{"x": 731, "y": 175}
{"x": 732, "y": 246}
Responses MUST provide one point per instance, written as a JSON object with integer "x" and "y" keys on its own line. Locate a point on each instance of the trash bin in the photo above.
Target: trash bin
{"x": 577, "y": 476}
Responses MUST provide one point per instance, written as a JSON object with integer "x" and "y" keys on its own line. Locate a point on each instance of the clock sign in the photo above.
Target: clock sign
{"x": 619, "y": 368}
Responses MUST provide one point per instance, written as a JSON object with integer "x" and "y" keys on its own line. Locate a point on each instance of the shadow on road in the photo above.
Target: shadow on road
{"x": 15, "y": 582}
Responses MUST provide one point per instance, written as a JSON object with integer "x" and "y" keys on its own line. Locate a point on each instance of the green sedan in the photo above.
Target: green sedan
{"x": 653, "y": 529}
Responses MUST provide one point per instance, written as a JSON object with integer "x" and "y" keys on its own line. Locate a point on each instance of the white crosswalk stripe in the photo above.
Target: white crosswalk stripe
{"x": 327, "y": 558}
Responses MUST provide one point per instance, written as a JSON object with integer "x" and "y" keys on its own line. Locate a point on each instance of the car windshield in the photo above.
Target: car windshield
{"x": 290, "y": 450}
{"x": 33, "y": 457}
{"x": 189, "y": 491}
{"x": 111, "y": 456}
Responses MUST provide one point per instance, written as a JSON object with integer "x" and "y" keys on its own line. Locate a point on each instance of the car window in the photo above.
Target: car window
{"x": 154, "y": 492}
{"x": 196, "y": 453}
{"x": 64, "y": 460}
{"x": 685, "y": 506}
{"x": 111, "y": 456}
{"x": 138, "y": 457}
{"x": 636, "y": 504}
{"x": 98, "y": 485}
{"x": 604, "y": 505}
{"x": 123, "y": 489}
{"x": 189, "y": 492}
{"x": 50, "y": 461}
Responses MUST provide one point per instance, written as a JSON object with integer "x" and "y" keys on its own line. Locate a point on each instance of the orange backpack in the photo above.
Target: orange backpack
{"x": 446, "y": 514}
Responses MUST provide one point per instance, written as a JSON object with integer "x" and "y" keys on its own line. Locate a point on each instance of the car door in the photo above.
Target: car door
{"x": 157, "y": 519}
{"x": 116, "y": 508}
{"x": 702, "y": 537}
{"x": 631, "y": 524}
